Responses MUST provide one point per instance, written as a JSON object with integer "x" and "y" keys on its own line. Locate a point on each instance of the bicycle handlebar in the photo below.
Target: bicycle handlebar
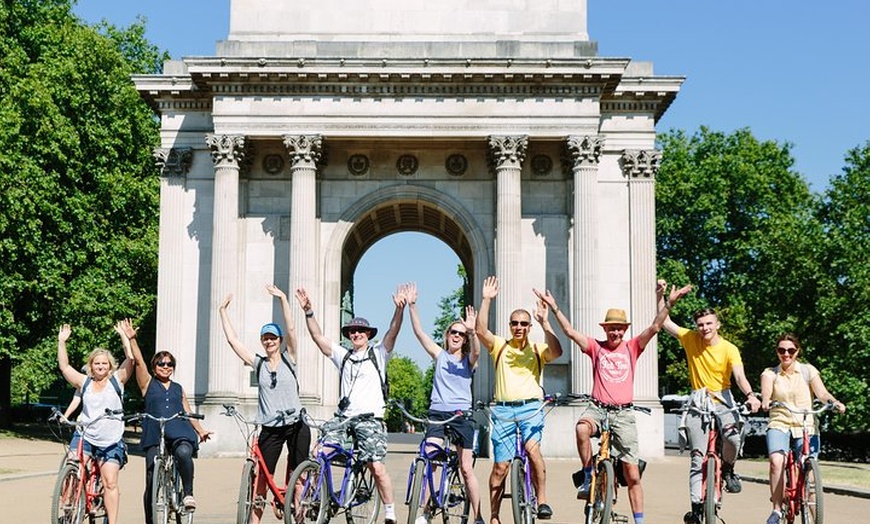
{"x": 281, "y": 414}
{"x": 311, "y": 422}
{"x": 57, "y": 416}
{"x": 427, "y": 421}
{"x": 180, "y": 414}
{"x": 828, "y": 406}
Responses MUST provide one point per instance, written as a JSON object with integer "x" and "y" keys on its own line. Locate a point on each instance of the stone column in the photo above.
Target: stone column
{"x": 305, "y": 152}
{"x": 584, "y": 152}
{"x": 640, "y": 168}
{"x": 506, "y": 158}
{"x": 174, "y": 164}
{"x": 228, "y": 153}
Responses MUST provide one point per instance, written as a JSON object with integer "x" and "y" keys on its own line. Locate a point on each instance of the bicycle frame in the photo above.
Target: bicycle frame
{"x": 250, "y": 430}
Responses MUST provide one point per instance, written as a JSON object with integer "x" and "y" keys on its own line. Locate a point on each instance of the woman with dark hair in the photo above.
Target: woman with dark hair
{"x": 455, "y": 363}
{"x": 793, "y": 383}
{"x": 164, "y": 398}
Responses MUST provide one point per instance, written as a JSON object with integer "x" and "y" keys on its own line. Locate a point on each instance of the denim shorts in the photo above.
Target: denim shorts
{"x": 778, "y": 440}
{"x": 503, "y": 437}
{"x": 116, "y": 452}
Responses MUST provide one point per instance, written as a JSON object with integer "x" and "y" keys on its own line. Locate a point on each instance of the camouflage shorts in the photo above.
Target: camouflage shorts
{"x": 367, "y": 436}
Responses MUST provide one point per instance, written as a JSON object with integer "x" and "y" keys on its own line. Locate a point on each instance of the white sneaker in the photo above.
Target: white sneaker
{"x": 421, "y": 519}
{"x": 774, "y": 517}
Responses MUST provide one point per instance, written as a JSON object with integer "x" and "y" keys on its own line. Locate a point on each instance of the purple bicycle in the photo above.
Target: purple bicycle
{"x": 317, "y": 499}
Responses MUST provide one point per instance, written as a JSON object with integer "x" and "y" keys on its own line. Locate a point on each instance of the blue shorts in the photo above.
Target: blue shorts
{"x": 778, "y": 441}
{"x": 116, "y": 452}
{"x": 503, "y": 433}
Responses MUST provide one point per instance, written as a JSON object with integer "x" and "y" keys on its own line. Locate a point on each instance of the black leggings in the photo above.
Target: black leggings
{"x": 183, "y": 452}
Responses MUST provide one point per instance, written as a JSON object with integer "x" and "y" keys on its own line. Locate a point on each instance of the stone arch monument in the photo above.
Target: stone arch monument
{"x": 318, "y": 128}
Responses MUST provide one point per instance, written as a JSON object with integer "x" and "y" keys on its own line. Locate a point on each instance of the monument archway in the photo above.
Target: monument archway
{"x": 308, "y": 137}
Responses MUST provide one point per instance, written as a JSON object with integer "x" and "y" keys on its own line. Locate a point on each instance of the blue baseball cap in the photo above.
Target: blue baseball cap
{"x": 273, "y": 329}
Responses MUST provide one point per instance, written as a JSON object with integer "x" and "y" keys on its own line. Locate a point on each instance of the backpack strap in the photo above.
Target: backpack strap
{"x": 112, "y": 380}
{"x": 385, "y": 381}
{"x": 286, "y": 361}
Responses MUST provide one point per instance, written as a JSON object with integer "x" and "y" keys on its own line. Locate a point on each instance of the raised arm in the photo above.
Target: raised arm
{"x": 129, "y": 336}
{"x": 320, "y": 340}
{"x": 399, "y": 299}
{"x": 669, "y": 325}
{"x": 578, "y": 338}
{"x": 426, "y": 341}
{"x": 664, "y": 308}
{"x": 125, "y": 370}
{"x": 69, "y": 373}
{"x": 243, "y": 352}
{"x": 289, "y": 329}
{"x": 542, "y": 315}
{"x": 481, "y": 327}
{"x": 473, "y": 343}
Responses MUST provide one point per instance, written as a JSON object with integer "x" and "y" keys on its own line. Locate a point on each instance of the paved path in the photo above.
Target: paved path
{"x": 27, "y": 470}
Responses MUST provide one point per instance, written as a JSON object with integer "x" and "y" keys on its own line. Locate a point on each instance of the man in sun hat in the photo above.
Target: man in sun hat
{"x": 518, "y": 365}
{"x": 362, "y": 387}
{"x": 712, "y": 362}
{"x": 613, "y": 366}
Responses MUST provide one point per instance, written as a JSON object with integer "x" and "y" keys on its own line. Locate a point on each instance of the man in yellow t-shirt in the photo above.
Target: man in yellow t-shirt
{"x": 518, "y": 367}
{"x": 713, "y": 361}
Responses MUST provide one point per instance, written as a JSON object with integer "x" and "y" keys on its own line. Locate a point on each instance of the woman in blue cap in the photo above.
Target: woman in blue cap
{"x": 278, "y": 390}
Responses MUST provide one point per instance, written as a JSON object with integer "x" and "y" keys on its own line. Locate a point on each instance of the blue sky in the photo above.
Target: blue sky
{"x": 790, "y": 71}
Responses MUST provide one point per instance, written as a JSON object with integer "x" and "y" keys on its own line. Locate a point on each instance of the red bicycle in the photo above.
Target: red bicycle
{"x": 802, "y": 487}
{"x": 255, "y": 469}
{"x": 78, "y": 490}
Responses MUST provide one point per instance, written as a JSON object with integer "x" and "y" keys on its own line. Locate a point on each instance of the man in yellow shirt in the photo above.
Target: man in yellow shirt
{"x": 713, "y": 361}
{"x": 518, "y": 367}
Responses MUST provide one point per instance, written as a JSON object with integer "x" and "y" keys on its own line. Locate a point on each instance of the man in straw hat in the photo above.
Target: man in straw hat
{"x": 362, "y": 387}
{"x": 712, "y": 361}
{"x": 518, "y": 371}
{"x": 613, "y": 366}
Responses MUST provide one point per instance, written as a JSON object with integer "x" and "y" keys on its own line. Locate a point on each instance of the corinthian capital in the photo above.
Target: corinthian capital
{"x": 304, "y": 150}
{"x": 584, "y": 150}
{"x": 173, "y": 161}
{"x": 227, "y": 149}
{"x": 643, "y": 163}
{"x": 507, "y": 151}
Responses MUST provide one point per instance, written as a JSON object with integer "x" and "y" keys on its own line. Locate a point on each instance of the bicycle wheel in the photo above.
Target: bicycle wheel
{"x": 309, "y": 505}
{"x": 710, "y": 491}
{"x": 812, "y": 495}
{"x": 600, "y": 507}
{"x": 456, "y": 503}
{"x": 366, "y": 503}
{"x": 521, "y": 500}
{"x": 68, "y": 499}
{"x": 161, "y": 491}
{"x": 245, "y": 506}
{"x": 416, "y": 504}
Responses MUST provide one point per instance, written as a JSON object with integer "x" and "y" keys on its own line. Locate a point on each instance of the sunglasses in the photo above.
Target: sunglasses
{"x": 274, "y": 376}
{"x": 783, "y": 351}
{"x": 462, "y": 334}
{"x": 351, "y": 331}
{"x": 522, "y": 323}
{"x": 165, "y": 364}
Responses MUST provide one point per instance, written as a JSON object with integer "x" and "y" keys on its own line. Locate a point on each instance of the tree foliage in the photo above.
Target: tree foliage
{"x": 406, "y": 386}
{"x": 737, "y": 222}
{"x": 78, "y": 187}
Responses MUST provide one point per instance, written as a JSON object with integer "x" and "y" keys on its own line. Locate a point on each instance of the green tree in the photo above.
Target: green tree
{"x": 78, "y": 188}
{"x": 406, "y": 386}
{"x": 841, "y": 326}
{"x": 736, "y": 221}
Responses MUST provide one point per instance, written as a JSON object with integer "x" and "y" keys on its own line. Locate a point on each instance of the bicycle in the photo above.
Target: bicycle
{"x": 78, "y": 490}
{"x": 448, "y": 497}
{"x": 166, "y": 489}
{"x": 711, "y": 465}
{"x": 524, "y": 500}
{"x": 803, "y": 487}
{"x": 318, "y": 500}
{"x": 603, "y": 485}
{"x": 255, "y": 468}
